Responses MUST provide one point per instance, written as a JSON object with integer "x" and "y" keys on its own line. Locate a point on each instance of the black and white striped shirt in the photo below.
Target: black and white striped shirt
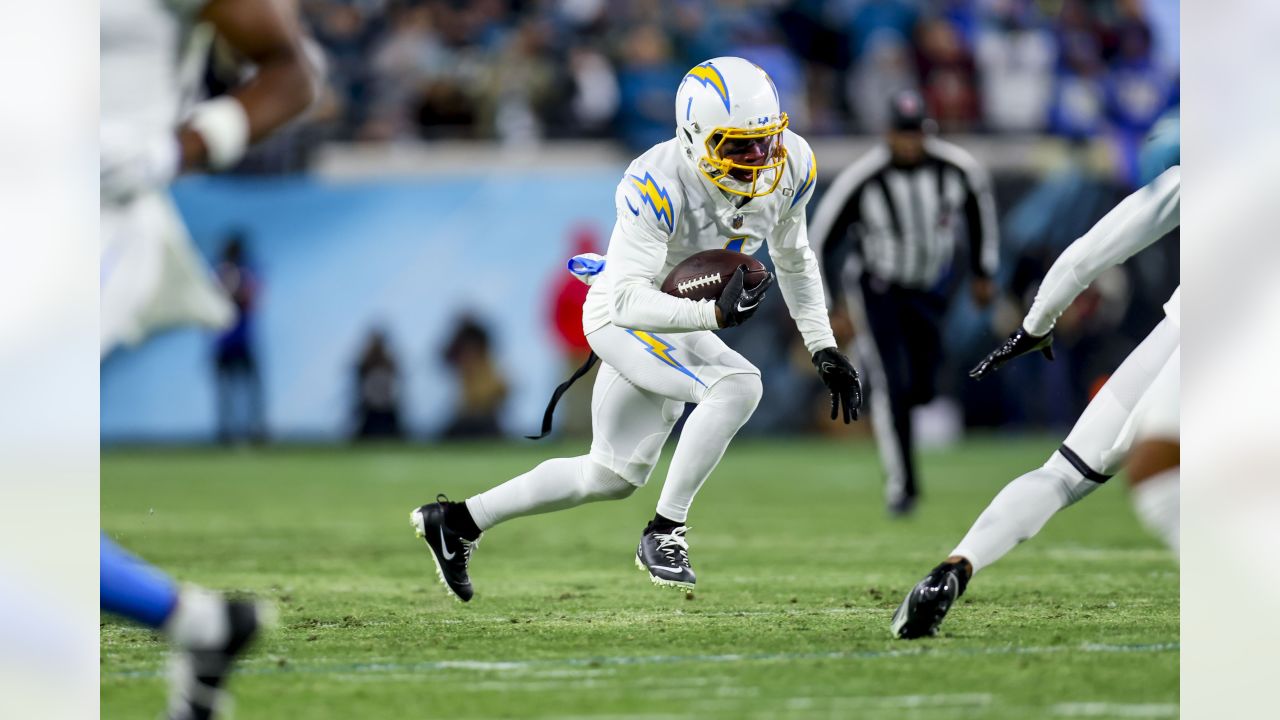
{"x": 900, "y": 222}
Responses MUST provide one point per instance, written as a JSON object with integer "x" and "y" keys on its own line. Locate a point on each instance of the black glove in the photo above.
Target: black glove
{"x": 1020, "y": 342}
{"x": 841, "y": 379}
{"x": 736, "y": 303}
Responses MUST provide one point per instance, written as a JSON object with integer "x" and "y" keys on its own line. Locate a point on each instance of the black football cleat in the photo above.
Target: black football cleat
{"x": 665, "y": 556}
{"x": 902, "y": 507}
{"x": 197, "y": 673}
{"x": 450, "y": 551}
{"x": 928, "y": 602}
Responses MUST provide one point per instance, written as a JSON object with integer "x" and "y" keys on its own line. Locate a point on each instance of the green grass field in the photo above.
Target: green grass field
{"x": 798, "y": 567}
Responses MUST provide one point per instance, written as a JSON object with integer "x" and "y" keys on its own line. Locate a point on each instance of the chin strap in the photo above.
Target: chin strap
{"x": 560, "y": 391}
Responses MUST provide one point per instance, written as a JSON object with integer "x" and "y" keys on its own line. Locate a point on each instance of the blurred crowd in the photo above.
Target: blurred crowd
{"x": 521, "y": 70}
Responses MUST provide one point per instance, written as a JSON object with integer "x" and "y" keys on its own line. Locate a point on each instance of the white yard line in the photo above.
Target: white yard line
{"x": 272, "y": 666}
{"x": 1110, "y": 709}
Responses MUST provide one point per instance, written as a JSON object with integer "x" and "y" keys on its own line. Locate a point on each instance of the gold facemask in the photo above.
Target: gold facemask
{"x": 717, "y": 168}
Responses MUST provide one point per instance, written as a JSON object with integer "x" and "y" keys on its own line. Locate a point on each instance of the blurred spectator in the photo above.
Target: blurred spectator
{"x": 648, "y": 81}
{"x": 517, "y": 88}
{"x": 757, "y": 40}
{"x": 1015, "y": 56}
{"x": 699, "y": 31}
{"x": 347, "y": 31}
{"x": 402, "y": 63}
{"x": 594, "y": 94}
{"x": 235, "y": 358}
{"x": 947, "y": 76}
{"x": 1166, "y": 31}
{"x": 1078, "y": 109}
{"x": 1137, "y": 89}
{"x": 378, "y": 391}
{"x": 874, "y": 18}
{"x": 886, "y": 68}
{"x": 481, "y": 388}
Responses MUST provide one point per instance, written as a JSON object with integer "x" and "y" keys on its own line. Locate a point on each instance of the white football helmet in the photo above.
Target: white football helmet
{"x": 730, "y": 124}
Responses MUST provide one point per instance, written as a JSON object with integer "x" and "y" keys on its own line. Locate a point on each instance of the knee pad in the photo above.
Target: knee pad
{"x": 601, "y": 483}
{"x": 1073, "y": 482}
{"x": 741, "y": 392}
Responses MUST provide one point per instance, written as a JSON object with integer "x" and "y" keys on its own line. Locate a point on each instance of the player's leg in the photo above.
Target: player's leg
{"x": 131, "y": 588}
{"x": 1154, "y": 463}
{"x": 629, "y": 426}
{"x": 684, "y": 367}
{"x": 663, "y": 548}
{"x": 724, "y": 406}
{"x": 208, "y": 632}
{"x": 1085, "y": 460}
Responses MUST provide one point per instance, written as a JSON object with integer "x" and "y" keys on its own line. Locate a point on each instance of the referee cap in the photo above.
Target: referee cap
{"x": 906, "y": 111}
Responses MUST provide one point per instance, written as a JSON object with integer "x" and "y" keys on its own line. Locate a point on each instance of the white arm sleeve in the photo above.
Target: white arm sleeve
{"x": 1139, "y": 220}
{"x": 801, "y": 281}
{"x": 637, "y": 253}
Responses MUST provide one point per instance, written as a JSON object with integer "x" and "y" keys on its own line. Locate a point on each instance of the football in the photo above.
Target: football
{"x": 702, "y": 276}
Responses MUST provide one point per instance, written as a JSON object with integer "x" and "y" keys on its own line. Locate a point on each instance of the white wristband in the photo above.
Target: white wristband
{"x": 224, "y": 126}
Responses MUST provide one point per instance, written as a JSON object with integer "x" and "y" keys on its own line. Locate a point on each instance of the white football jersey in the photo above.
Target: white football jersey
{"x": 151, "y": 64}
{"x": 151, "y": 276}
{"x": 1139, "y": 220}
{"x": 668, "y": 211}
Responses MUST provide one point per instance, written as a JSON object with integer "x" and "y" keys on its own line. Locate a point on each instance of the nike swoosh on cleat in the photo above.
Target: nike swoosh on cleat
{"x": 668, "y": 569}
{"x": 444, "y": 547}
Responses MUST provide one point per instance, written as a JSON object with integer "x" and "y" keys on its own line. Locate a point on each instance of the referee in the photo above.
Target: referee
{"x": 886, "y": 235}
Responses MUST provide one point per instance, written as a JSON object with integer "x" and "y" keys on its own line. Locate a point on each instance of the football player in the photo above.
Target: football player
{"x": 1103, "y": 435}
{"x": 151, "y": 276}
{"x": 733, "y": 177}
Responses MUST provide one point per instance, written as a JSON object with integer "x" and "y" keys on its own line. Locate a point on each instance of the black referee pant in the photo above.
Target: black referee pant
{"x": 906, "y": 340}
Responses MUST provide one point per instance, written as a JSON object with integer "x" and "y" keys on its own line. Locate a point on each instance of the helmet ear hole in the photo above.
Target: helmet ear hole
{"x": 688, "y": 138}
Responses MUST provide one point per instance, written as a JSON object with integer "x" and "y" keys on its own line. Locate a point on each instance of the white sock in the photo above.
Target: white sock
{"x": 728, "y": 404}
{"x": 1021, "y": 509}
{"x": 1157, "y": 501}
{"x": 199, "y": 620}
{"x": 553, "y": 485}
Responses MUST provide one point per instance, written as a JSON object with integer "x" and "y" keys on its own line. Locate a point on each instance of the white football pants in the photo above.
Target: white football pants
{"x": 151, "y": 277}
{"x": 645, "y": 379}
{"x": 1091, "y": 454}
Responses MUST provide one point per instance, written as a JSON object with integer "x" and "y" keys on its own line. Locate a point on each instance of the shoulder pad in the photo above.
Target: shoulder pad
{"x": 650, "y": 198}
{"x": 802, "y": 169}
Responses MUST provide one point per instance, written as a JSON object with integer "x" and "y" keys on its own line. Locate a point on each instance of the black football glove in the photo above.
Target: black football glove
{"x": 841, "y": 379}
{"x": 1020, "y": 342}
{"x": 736, "y": 303}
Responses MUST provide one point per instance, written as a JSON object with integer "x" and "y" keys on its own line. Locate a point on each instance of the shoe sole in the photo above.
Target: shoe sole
{"x": 419, "y": 524}
{"x": 662, "y": 582}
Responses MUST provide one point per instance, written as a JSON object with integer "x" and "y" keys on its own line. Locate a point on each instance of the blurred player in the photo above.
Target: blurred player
{"x": 1153, "y": 466}
{"x": 1103, "y": 435}
{"x": 733, "y": 177}
{"x": 152, "y": 278}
